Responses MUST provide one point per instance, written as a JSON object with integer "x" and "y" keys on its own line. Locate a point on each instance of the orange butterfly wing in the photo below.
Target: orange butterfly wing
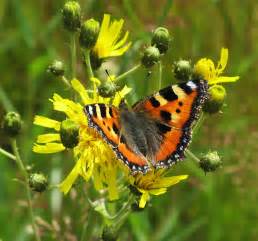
{"x": 105, "y": 120}
{"x": 175, "y": 108}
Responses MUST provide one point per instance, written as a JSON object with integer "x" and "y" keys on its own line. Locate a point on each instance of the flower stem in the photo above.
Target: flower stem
{"x": 192, "y": 156}
{"x": 22, "y": 168}
{"x": 7, "y": 154}
{"x": 88, "y": 64}
{"x": 130, "y": 71}
{"x": 5, "y": 100}
{"x": 198, "y": 123}
{"x": 65, "y": 81}
{"x": 160, "y": 74}
{"x": 73, "y": 55}
{"x": 121, "y": 216}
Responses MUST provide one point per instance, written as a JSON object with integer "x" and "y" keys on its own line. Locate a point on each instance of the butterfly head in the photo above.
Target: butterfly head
{"x": 123, "y": 105}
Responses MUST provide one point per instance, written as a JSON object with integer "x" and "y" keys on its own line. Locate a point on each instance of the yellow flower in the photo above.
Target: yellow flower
{"x": 109, "y": 42}
{"x": 94, "y": 158}
{"x": 153, "y": 183}
{"x": 206, "y": 68}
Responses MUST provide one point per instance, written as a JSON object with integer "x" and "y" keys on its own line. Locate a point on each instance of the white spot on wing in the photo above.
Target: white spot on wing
{"x": 90, "y": 110}
{"x": 191, "y": 84}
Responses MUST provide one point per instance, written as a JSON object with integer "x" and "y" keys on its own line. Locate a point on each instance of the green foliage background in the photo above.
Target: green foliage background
{"x": 216, "y": 206}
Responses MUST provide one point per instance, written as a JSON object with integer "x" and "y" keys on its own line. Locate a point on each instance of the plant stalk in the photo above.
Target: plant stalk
{"x": 7, "y": 154}
{"x": 22, "y": 168}
{"x": 73, "y": 55}
{"x": 130, "y": 71}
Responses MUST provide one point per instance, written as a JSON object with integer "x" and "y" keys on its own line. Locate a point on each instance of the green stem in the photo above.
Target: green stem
{"x": 73, "y": 55}
{"x": 198, "y": 123}
{"x": 192, "y": 156}
{"x": 65, "y": 81}
{"x": 88, "y": 64}
{"x": 130, "y": 71}
{"x": 160, "y": 74}
{"x": 22, "y": 168}
{"x": 84, "y": 229}
{"x": 7, "y": 154}
{"x": 5, "y": 100}
{"x": 121, "y": 216}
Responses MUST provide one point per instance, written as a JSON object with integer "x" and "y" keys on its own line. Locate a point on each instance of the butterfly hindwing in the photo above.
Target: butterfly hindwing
{"x": 105, "y": 120}
{"x": 175, "y": 109}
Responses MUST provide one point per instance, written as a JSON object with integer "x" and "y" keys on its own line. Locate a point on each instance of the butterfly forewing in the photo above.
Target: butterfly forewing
{"x": 105, "y": 120}
{"x": 175, "y": 109}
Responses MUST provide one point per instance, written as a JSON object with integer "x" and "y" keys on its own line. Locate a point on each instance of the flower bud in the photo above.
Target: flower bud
{"x": 56, "y": 68}
{"x": 150, "y": 57}
{"x": 217, "y": 94}
{"x": 89, "y": 33}
{"x": 12, "y": 124}
{"x": 71, "y": 16}
{"x": 38, "y": 182}
{"x": 210, "y": 162}
{"x": 107, "y": 89}
{"x": 109, "y": 234}
{"x": 182, "y": 70}
{"x": 69, "y": 133}
{"x": 161, "y": 39}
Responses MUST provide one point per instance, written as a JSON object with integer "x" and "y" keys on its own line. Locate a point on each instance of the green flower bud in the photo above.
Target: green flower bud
{"x": 72, "y": 16}
{"x": 56, "y": 68}
{"x": 210, "y": 162}
{"x": 69, "y": 133}
{"x": 150, "y": 57}
{"x": 182, "y": 70}
{"x": 109, "y": 234}
{"x": 161, "y": 39}
{"x": 38, "y": 182}
{"x": 12, "y": 124}
{"x": 217, "y": 94}
{"x": 96, "y": 62}
{"x": 107, "y": 89}
{"x": 89, "y": 33}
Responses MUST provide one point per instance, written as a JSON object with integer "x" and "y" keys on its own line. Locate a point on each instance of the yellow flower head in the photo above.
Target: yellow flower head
{"x": 153, "y": 183}
{"x": 94, "y": 158}
{"x": 109, "y": 42}
{"x": 206, "y": 68}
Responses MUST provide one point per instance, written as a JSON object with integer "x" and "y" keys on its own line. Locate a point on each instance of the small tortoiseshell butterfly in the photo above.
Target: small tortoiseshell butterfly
{"x": 156, "y": 131}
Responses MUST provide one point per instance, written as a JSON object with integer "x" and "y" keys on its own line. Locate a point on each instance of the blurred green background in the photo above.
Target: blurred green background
{"x": 216, "y": 206}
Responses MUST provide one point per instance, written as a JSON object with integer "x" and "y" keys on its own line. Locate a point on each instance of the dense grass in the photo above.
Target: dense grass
{"x": 216, "y": 206}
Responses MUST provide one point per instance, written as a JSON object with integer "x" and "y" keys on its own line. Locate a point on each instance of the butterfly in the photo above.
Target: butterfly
{"x": 155, "y": 132}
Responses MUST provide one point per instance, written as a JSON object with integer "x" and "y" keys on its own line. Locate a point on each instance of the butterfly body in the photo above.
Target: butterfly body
{"x": 156, "y": 130}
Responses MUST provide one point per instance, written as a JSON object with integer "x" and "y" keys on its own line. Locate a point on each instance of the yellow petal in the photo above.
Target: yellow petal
{"x": 223, "y": 61}
{"x": 77, "y": 85}
{"x": 48, "y": 148}
{"x": 112, "y": 184}
{"x": 86, "y": 167}
{"x": 122, "y": 41}
{"x": 168, "y": 181}
{"x": 120, "y": 95}
{"x": 45, "y": 138}
{"x": 144, "y": 198}
{"x": 66, "y": 185}
{"x": 158, "y": 191}
{"x": 104, "y": 26}
{"x": 223, "y": 79}
{"x": 120, "y": 51}
{"x": 46, "y": 122}
{"x": 95, "y": 80}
